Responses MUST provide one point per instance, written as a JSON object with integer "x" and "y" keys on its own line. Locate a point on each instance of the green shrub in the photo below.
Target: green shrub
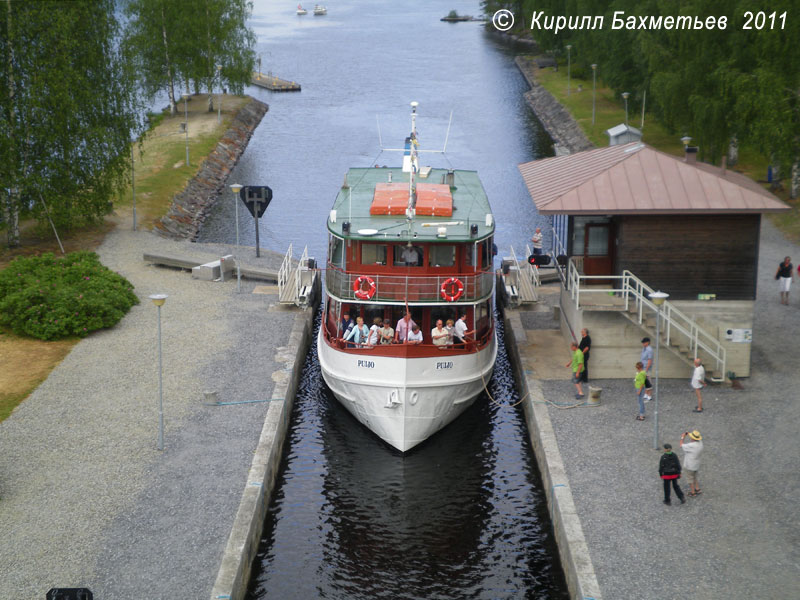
{"x": 51, "y": 298}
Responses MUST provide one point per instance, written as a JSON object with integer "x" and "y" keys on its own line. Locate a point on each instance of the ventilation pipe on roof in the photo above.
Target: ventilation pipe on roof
{"x": 724, "y": 165}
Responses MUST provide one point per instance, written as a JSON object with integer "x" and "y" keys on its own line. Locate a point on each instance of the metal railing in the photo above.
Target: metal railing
{"x": 528, "y": 281}
{"x": 283, "y": 273}
{"x": 402, "y": 288}
{"x": 632, "y": 295}
{"x": 297, "y": 279}
{"x": 533, "y": 270}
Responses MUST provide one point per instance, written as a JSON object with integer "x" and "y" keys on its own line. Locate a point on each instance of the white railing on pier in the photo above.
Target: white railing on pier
{"x": 528, "y": 278}
{"x": 284, "y": 273}
{"x": 298, "y": 282}
{"x": 559, "y": 249}
{"x": 631, "y": 294}
{"x": 533, "y": 270}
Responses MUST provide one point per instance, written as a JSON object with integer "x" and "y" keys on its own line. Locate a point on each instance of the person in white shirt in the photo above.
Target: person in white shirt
{"x": 537, "y": 241}
{"x": 410, "y": 256}
{"x": 374, "y": 332}
{"x": 699, "y": 382}
{"x": 691, "y": 459}
{"x": 439, "y": 334}
{"x": 415, "y": 336}
{"x": 461, "y": 332}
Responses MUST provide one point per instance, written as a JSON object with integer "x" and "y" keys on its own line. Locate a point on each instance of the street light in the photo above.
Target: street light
{"x": 235, "y": 188}
{"x": 133, "y": 182}
{"x": 186, "y": 122}
{"x": 594, "y": 86}
{"x": 569, "y": 65}
{"x": 658, "y": 299}
{"x": 219, "y": 104}
{"x": 158, "y": 300}
{"x": 625, "y": 95}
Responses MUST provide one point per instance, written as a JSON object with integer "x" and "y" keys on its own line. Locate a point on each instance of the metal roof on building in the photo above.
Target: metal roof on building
{"x": 634, "y": 178}
{"x": 456, "y": 208}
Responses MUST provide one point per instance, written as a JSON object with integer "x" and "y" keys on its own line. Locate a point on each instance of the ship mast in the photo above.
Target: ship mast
{"x": 412, "y": 167}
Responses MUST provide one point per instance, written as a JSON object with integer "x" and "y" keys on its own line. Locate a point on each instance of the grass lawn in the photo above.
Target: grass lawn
{"x": 161, "y": 172}
{"x": 610, "y": 111}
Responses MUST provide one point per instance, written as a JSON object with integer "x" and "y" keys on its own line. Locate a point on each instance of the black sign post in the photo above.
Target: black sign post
{"x": 256, "y": 198}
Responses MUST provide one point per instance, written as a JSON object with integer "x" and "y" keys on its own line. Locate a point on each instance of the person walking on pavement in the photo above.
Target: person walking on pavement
{"x": 691, "y": 459}
{"x": 584, "y": 346}
{"x": 784, "y": 276}
{"x": 577, "y": 366}
{"x": 699, "y": 382}
{"x": 669, "y": 468}
{"x": 638, "y": 383}
{"x": 646, "y": 359}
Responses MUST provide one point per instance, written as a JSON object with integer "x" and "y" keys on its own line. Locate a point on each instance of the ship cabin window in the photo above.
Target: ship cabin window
{"x": 444, "y": 313}
{"x": 441, "y": 255}
{"x": 336, "y": 251}
{"x": 487, "y": 254}
{"x": 371, "y": 312}
{"x": 408, "y": 256}
{"x": 482, "y": 320}
{"x": 416, "y": 315}
{"x": 333, "y": 315}
{"x": 373, "y": 254}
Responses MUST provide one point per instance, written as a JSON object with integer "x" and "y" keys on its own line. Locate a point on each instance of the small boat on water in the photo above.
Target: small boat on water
{"x": 301, "y": 10}
{"x": 410, "y": 247}
{"x": 320, "y": 10}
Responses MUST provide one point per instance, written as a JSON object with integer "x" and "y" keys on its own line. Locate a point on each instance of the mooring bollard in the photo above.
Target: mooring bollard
{"x": 594, "y": 395}
{"x": 211, "y": 397}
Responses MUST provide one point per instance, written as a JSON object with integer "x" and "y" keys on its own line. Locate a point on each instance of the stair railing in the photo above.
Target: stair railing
{"x": 283, "y": 272}
{"x": 526, "y": 279}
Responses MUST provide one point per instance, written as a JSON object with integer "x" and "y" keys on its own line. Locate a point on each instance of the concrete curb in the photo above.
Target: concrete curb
{"x": 572, "y": 547}
{"x": 237, "y": 560}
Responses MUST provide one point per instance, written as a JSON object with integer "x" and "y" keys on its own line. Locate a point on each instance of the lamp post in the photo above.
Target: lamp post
{"x": 186, "y": 122}
{"x": 625, "y": 95}
{"x": 158, "y": 300}
{"x": 219, "y": 104}
{"x": 133, "y": 182}
{"x": 235, "y": 188}
{"x": 569, "y": 65}
{"x": 658, "y": 299}
{"x": 594, "y": 86}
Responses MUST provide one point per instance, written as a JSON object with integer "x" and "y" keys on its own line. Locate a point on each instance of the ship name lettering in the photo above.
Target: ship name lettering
{"x": 444, "y": 365}
{"x": 366, "y": 364}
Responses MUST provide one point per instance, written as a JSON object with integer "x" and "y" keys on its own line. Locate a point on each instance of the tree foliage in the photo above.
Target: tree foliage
{"x": 713, "y": 85}
{"x": 67, "y": 110}
{"x": 178, "y": 45}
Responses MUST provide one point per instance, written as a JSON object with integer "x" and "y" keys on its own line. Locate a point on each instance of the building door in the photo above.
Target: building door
{"x": 598, "y": 249}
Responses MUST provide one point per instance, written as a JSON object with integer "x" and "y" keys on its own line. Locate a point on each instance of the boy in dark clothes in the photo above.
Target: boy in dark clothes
{"x": 669, "y": 468}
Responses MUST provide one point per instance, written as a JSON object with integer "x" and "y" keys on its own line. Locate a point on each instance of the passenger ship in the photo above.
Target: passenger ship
{"x": 419, "y": 240}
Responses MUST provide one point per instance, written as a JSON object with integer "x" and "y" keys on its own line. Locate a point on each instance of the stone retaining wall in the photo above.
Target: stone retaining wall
{"x": 559, "y": 124}
{"x": 190, "y": 206}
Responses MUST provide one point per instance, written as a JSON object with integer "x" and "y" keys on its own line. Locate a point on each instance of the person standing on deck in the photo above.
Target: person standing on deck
{"x": 698, "y": 382}
{"x": 691, "y": 459}
{"x": 577, "y": 366}
{"x": 784, "y": 275}
{"x": 537, "y": 241}
{"x": 403, "y": 328}
{"x": 646, "y": 359}
{"x": 584, "y": 346}
{"x": 460, "y": 331}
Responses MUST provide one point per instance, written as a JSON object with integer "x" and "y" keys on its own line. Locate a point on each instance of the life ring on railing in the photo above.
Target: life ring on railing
{"x": 359, "y": 289}
{"x": 452, "y": 289}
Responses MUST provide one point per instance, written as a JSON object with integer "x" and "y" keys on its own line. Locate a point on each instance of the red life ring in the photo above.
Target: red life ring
{"x": 455, "y": 287}
{"x": 358, "y": 287}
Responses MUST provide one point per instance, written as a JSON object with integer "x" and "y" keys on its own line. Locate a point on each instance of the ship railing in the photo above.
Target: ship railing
{"x": 414, "y": 350}
{"x": 407, "y": 288}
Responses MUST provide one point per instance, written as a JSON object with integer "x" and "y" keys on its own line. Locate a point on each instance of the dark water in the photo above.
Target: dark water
{"x": 367, "y": 59}
{"x": 461, "y": 516}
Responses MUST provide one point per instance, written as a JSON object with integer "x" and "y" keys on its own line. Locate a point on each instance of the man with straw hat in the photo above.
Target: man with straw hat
{"x": 691, "y": 459}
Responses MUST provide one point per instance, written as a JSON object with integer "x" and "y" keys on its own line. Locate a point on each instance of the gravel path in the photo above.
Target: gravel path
{"x": 740, "y": 539}
{"x": 87, "y": 499}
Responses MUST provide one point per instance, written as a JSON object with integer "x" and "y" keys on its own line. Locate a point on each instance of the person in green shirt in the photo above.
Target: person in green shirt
{"x": 638, "y": 383}
{"x": 577, "y": 367}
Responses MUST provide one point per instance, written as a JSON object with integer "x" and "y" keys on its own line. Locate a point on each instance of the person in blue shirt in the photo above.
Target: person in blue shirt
{"x": 646, "y": 359}
{"x": 358, "y": 334}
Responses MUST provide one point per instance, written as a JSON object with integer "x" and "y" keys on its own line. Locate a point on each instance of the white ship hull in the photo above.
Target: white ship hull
{"x": 406, "y": 400}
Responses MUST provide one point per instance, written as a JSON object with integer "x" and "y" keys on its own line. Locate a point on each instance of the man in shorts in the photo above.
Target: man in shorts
{"x": 691, "y": 459}
{"x": 577, "y": 367}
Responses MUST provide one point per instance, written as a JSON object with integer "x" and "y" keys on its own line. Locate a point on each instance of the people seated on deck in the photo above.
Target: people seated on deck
{"x": 403, "y": 328}
{"x": 450, "y": 327}
{"x": 357, "y": 334}
{"x": 439, "y": 334}
{"x": 415, "y": 336}
{"x": 348, "y": 322}
{"x": 410, "y": 256}
{"x": 386, "y": 332}
{"x": 374, "y": 332}
{"x": 461, "y": 333}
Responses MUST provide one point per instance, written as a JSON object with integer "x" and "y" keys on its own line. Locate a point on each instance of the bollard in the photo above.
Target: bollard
{"x": 211, "y": 397}
{"x": 594, "y": 396}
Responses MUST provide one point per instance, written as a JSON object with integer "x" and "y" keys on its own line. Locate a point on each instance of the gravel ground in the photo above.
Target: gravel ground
{"x": 740, "y": 538}
{"x": 87, "y": 499}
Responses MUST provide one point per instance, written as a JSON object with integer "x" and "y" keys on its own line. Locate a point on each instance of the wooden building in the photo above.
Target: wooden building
{"x": 686, "y": 228}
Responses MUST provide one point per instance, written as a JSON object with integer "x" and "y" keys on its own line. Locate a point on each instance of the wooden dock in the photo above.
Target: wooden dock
{"x": 276, "y": 84}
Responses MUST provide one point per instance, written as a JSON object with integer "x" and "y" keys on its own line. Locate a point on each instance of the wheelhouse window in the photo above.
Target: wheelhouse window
{"x": 373, "y": 254}
{"x": 486, "y": 254}
{"x": 336, "y": 251}
{"x": 408, "y": 256}
{"x": 441, "y": 255}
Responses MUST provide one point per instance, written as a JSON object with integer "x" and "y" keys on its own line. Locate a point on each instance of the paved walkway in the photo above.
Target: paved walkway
{"x": 740, "y": 539}
{"x": 87, "y": 499}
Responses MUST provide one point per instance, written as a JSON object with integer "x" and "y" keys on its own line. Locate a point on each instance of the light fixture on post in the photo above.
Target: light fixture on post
{"x": 569, "y": 66}
{"x": 219, "y": 104}
{"x": 625, "y": 95}
{"x": 658, "y": 299}
{"x": 186, "y": 122}
{"x": 133, "y": 181}
{"x": 594, "y": 89}
{"x": 159, "y": 300}
{"x": 236, "y": 188}
{"x": 686, "y": 139}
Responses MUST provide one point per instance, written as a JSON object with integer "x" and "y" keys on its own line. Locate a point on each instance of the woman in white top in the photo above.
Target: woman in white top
{"x": 374, "y": 332}
{"x": 358, "y": 334}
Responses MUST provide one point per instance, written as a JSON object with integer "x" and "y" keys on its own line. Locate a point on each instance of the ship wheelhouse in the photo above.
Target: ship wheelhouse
{"x": 435, "y": 261}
